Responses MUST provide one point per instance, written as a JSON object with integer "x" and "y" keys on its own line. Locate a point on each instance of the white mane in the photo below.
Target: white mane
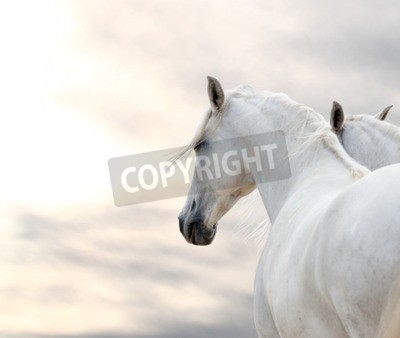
{"x": 309, "y": 127}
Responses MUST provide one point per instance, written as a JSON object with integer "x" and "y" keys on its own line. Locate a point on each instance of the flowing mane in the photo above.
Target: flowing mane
{"x": 198, "y": 138}
{"x": 317, "y": 131}
{"x": 309, "y": 125}
{"x": 312, "y": 125}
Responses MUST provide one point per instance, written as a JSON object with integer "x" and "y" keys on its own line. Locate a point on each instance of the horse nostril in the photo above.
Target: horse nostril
{"x": 180, "y": 224}
{"x": 193, "y": 205}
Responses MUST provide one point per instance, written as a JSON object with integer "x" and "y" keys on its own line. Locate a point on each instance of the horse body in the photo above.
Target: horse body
{"x": 333, "y": 253}
{"x": 328, "y": 274}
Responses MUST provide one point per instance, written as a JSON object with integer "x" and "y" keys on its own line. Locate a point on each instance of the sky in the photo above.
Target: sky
{"x": 86, "y": 81}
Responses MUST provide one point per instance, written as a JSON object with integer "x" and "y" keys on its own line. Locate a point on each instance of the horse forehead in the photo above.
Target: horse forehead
{"x": 354, "y": 122}
{"x": 361, "y": 118}
{"x": 245, "y": 88}
{"x": 360, "y": 123}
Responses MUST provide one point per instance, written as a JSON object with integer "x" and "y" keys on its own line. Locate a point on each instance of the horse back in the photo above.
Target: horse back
{"x": 359, "y": 251}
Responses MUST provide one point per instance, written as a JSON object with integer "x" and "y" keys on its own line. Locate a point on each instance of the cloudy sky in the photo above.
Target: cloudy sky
{"x": 85, "y": 81}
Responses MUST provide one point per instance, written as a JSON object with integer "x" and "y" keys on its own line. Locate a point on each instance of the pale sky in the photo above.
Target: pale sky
{"x": 85, "y": 81}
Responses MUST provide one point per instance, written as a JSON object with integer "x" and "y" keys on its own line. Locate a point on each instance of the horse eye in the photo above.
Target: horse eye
{"x": 200, "y": 145}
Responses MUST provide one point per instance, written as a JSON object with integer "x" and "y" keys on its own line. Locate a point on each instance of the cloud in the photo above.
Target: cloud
{"x": 235, "y": 329}
{"x": 122, "y": 271}
{"x": 150, "y": 59}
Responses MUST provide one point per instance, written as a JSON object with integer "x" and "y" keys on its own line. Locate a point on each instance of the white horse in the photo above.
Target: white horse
{"x": 332, "y": 258}
{"x": 368, "y": 139}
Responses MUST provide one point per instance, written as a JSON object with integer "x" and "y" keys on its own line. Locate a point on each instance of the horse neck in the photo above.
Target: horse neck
{"x": 317, "y": 171}
{"x": 372, "y": 143}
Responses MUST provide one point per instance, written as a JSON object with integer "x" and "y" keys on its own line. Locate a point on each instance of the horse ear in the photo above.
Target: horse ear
{"x": 337, "y": 117}
{"x": 382, "y": 115}
{"x": 215, "y": 93}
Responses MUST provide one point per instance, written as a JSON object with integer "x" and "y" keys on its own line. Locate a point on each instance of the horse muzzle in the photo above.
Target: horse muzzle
{"x": 195, "y": 232}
